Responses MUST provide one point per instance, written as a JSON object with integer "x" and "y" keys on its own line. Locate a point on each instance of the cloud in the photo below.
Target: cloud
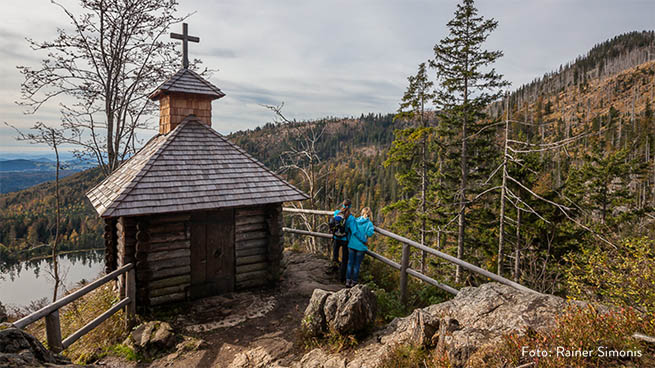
{"x": 218, "y": 52}
{"x": 333, "y": 58}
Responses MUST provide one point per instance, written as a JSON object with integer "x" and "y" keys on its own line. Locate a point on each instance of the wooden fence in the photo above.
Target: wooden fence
{"x": 403, "y": 266}
{"x": 51, "y": 311}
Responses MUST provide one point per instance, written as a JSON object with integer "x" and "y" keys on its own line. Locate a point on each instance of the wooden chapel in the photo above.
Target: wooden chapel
{"x": 196, "y": 214}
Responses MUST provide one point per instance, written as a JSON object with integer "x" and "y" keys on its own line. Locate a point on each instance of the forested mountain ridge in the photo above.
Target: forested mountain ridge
{"x": 611, "y": 57}
{"x": 578, "y": 107}
{"x": 369, "y": 134}
{"x": 617, "y": 105}
{"x": 28, "y": 217}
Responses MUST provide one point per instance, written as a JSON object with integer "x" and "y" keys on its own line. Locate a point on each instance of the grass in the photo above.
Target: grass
{"x": 75, "y": 315}
{"x": 406, "y": 356}
{"x": 125, "y": 352}
{"x": 333, "y": 342}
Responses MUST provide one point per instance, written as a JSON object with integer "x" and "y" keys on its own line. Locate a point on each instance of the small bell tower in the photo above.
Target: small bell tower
{"x": 185, "y": 93}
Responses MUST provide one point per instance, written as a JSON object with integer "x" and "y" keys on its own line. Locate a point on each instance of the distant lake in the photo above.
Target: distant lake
{"x": 30, "y": 280}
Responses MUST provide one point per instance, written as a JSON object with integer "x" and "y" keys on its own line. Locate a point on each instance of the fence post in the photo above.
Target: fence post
{"x": 130, "y": 291}
{"x": 53, "y": 331}
{"x": 404, "y": 263}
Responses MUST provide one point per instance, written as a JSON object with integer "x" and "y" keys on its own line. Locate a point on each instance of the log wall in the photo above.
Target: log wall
{"x": 160, "y": 246}
{"x": 111, "y": 251}
{"x": 257, "y": 243}
{"x": 163, "y": 255}
{"x": 251, "y": 247}
{"x": 275, "y": 244}
{"x": 125, "y": 245}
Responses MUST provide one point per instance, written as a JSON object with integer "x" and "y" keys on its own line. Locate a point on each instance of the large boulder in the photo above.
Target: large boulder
{"x": 20, "y": 349}
{"x": 152, "y": 339}
{"x": 313, "y": 324}
{"x": 347, "y": 311}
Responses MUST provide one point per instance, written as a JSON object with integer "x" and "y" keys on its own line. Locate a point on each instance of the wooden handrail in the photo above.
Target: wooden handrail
{"x": 305, "y": 232}
{"x": 403, "y": 267}
{"x": 27, "y": 320}
{"x": 454, "y": 260}
{"x": 51, "y": 312}
{"x": 384, "y": 260}
{"x": 302, "y": 210}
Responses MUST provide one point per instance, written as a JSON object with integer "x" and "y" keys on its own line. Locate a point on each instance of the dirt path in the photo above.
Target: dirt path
{"x": 239, "y": 327}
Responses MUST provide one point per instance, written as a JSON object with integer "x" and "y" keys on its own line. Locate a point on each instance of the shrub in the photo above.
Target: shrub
{"x": 624, "y": 276}
{"x": 385, "y": 283}
{"x": 577, "y": 330}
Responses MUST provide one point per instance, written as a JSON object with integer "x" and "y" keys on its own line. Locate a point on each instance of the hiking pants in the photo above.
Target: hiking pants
{"x": 343, "y": 246}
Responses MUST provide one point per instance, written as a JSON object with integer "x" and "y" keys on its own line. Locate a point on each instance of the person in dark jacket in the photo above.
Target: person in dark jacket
{"x": 339, "y": 227}
{"x": 361, "y": 229}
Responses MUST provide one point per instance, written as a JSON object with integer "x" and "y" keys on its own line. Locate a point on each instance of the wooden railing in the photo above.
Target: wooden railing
{"x": 51, "y": 311}
{"x": 403, "y": 266}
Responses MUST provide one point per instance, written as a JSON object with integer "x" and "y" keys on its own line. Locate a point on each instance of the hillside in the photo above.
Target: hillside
{"x": 348, "y": 158}
{"x": 28, "y": 216}
{"x": 12, "y": 181}
{"x": 611, "y": 57}
{"x": 576, "y": 108}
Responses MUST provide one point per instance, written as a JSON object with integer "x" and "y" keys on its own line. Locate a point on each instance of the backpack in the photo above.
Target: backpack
{"x": 337, "y": 225}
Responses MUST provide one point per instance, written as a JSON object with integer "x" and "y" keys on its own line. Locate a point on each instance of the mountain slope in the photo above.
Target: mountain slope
{"x": 28, "y": 215}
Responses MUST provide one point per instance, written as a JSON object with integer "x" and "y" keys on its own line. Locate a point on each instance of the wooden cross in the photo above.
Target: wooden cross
{"x": 185, "y": 39}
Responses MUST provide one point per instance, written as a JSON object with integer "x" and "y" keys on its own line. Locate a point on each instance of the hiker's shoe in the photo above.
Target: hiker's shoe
{"x": 348, "y": 283}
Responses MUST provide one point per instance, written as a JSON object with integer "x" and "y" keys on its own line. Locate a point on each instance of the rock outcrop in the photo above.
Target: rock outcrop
{"x": 476, "y": 317}
{"x": 20, "y": 349}
{"x": 347, "y": 311}
{"x": 152, "y": 339}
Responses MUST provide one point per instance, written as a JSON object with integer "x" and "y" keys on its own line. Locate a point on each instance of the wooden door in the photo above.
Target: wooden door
{"x": 212, "y": 253}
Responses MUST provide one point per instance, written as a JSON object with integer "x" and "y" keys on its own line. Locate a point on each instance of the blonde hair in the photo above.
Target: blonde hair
{"x": 366, "y": 213}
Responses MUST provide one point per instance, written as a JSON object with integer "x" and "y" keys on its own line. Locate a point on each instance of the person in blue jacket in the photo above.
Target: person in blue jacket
{"x": 339, "y": 228}
{"x": 360, "y": 230}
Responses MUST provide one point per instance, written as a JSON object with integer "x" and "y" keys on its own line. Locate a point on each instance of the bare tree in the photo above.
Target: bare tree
{"x": 513, "y": 148}
{"x": 101, "y": 70}
{"x": 52, "y": 137}
{"x": 302, "y": 157}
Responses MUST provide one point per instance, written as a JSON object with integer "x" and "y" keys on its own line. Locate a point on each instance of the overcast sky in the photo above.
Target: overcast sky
{"x": 329, "y": 58}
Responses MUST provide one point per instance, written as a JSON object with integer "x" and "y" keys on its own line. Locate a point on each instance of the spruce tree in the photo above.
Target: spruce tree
{"x": 467, "y": 86}
{"x": 410, "y": 153}
{"x": 602, "y": 187}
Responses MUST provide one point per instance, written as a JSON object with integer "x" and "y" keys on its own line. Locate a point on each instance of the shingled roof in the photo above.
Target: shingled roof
{"x": 187, "y": 81}
{"x": 191, "y": 168}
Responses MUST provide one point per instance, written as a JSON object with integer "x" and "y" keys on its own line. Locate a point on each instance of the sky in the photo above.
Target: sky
{"x": 326, "y": 58}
